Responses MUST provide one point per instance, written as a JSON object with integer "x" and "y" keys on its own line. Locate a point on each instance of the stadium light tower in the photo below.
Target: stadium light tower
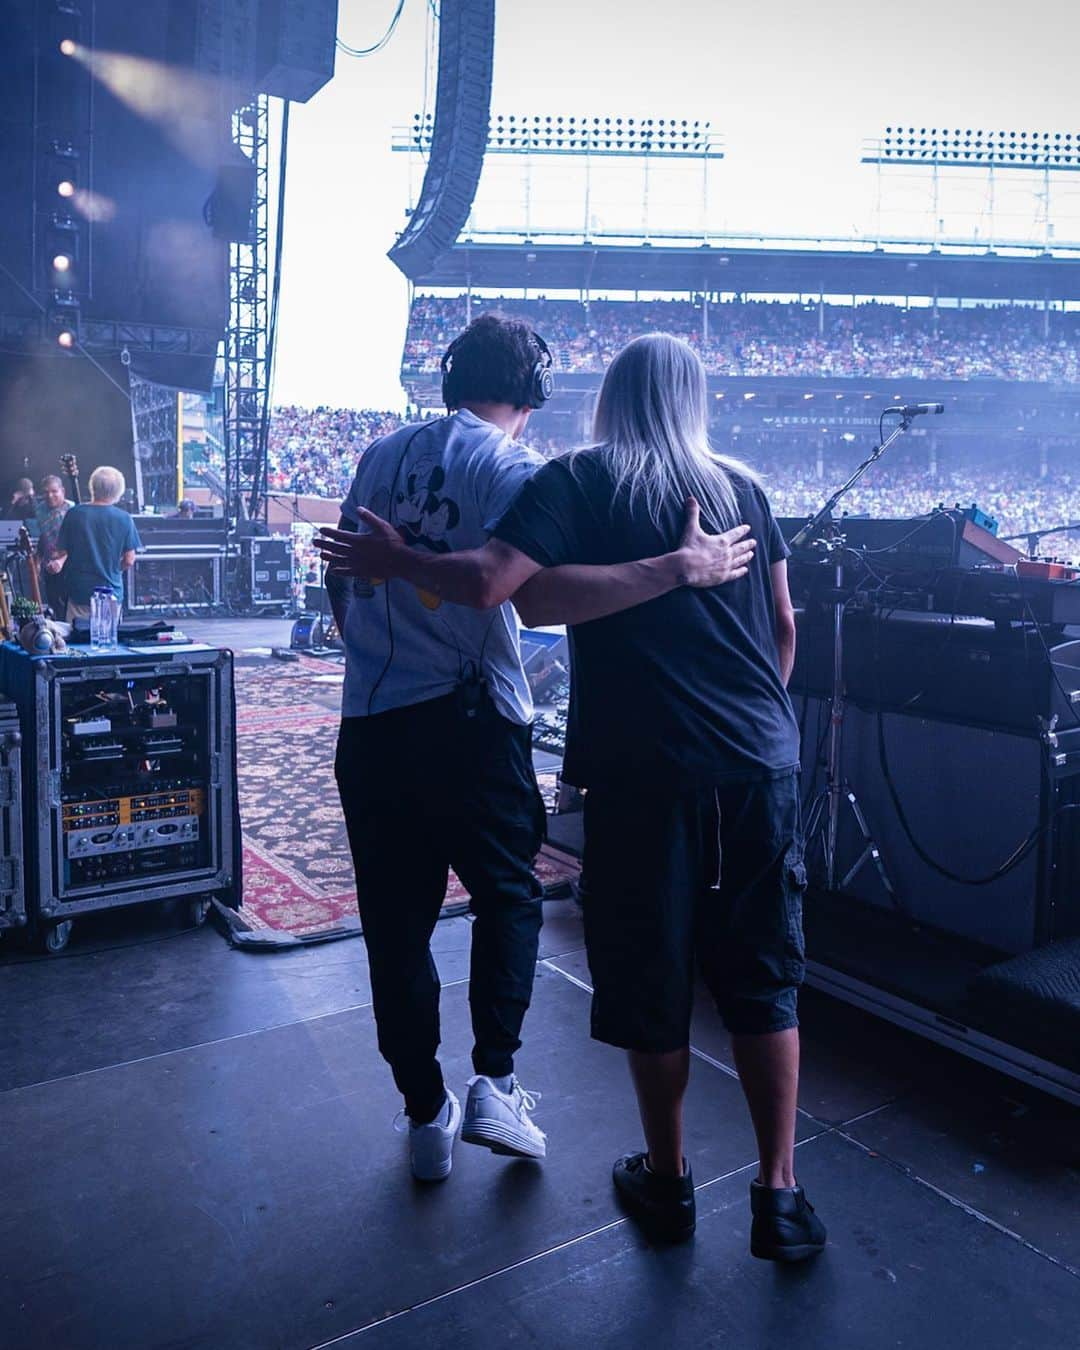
{"x": 626, "y": 137}
{"x": 1042, "y": 152}
{"x": 643, "y": 139}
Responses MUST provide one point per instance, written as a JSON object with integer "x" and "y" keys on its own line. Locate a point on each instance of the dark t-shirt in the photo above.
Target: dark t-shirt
{"x": 95, "y": 538}
{"x": 686, "y": 687}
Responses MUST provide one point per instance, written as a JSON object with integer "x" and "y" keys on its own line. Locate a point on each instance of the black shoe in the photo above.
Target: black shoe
{"x": 664, "y": 1206}
{"x": 785, "y": 1227}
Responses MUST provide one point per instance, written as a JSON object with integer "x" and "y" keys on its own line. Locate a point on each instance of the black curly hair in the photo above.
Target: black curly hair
{"x": 492, "y": 362}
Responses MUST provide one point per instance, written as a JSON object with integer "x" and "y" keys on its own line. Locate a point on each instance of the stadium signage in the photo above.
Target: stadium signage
{"x": 807, "y": 420}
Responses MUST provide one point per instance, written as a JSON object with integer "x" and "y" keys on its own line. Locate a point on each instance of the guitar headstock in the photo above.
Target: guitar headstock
{"x": 25, "y": 546}
{"x": 70, "y": 466}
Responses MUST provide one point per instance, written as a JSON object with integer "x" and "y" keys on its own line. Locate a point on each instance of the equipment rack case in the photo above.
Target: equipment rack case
{"x": 12, "y": 894}
{"x": 138, "y": 809}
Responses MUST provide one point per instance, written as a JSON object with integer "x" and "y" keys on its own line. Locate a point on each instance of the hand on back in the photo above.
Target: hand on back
{"x": 712, "y": 559}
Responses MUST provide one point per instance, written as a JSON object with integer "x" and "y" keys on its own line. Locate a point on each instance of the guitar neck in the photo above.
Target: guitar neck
{"x": 26, "y": 545}
{"x": 68, "y": 464}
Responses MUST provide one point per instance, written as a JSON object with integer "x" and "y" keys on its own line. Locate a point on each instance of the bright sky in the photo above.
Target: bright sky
{"x": 794, "y": 89}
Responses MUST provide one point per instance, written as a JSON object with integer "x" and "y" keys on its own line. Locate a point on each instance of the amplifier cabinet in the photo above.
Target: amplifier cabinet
{"x": 159, "y": 580}
{"x": 128, "y": 766}
{"x": 965, "y": 670}
{"x": 12, "y": 893}
{"x": 971, "y": 797}
{"x": 271, "y": 561}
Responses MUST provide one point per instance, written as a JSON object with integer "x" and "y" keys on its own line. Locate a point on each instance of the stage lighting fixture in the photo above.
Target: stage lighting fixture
{"x": 808, "y": 396}
{"x": 67, "y": 47}
{"x": 66, "y": 188}
{"x": 62, "y": 316}
{"x": 61, "y": 262}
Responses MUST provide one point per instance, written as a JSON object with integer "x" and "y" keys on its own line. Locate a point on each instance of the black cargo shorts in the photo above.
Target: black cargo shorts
{"x": 705, "y": 876}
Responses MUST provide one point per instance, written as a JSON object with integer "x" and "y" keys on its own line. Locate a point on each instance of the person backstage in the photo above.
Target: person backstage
{"x": 96, "y": 543}
{"x": 682, "y": 732}
{"x": 52, "y": 507}
{"x": 434, "y": 761}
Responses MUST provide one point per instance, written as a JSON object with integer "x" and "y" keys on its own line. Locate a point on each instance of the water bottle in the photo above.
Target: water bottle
{"x": 104, "y": 618}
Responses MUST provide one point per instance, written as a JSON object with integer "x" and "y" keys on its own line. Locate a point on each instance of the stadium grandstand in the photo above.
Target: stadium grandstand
{"x": 797, "y": 384}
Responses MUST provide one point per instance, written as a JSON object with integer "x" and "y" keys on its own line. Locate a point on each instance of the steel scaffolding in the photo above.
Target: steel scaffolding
{"x": 247, "y": 373}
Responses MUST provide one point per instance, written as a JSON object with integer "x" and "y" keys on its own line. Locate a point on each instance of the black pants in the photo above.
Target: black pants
{"x": 55, "y": 593}
{"x": 426, "y": 788}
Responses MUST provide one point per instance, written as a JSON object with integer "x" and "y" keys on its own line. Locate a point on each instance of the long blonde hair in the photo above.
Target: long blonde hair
{"x": 652, "y": 418}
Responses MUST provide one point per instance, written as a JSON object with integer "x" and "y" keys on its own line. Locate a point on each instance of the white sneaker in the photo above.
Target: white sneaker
{"x": 431, "y": 1146}
{"x": 500, "y": 1120}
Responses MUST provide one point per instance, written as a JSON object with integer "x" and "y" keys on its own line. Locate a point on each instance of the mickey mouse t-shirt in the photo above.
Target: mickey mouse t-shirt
{"x": 443, "y": 485}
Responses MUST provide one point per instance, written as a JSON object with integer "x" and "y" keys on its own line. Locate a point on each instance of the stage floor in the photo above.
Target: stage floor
{"x": 198, "y": 1153}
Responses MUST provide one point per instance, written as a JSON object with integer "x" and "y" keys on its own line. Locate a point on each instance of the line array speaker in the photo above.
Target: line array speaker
{"x": 459, "y": 136}
{"x": 295, "y": 48}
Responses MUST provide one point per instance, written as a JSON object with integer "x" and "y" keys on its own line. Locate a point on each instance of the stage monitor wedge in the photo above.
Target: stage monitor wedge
{"x": 459, "y": 138}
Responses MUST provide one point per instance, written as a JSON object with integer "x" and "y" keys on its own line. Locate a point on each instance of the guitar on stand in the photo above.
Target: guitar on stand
{"x": 25, "y": 547}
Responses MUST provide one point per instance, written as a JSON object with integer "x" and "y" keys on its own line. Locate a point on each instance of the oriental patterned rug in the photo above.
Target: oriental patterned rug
{"x": 298, "y": 879}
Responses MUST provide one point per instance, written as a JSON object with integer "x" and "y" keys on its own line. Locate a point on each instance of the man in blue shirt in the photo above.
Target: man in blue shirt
{"x": 97, "y": 543}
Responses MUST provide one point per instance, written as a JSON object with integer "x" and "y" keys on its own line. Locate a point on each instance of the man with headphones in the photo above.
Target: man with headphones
{"x": 434, "y": 762}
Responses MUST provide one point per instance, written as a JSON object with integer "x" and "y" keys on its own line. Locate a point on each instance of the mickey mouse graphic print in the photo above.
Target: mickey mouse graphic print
{"x": 443, "y": 485}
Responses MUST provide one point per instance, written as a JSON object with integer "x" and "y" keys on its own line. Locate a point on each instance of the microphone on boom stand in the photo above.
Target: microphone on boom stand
{"x": 823, "y": 817}
{"x": 917, "y": 409}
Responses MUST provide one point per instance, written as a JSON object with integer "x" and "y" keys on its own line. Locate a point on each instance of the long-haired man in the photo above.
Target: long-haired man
{"x": 682, "y": 732}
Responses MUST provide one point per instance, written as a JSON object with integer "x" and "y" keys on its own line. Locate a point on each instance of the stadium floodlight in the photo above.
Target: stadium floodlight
{"x": 543, "y": 134}
{"x": 973, "y": 147}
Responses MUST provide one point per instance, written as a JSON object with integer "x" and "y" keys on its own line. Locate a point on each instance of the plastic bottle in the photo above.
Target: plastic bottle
{"x": 104, "y": 618}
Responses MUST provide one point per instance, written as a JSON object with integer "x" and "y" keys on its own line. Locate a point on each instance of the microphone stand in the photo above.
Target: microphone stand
{"x": 823, "y": 819}
{"x": 1032, "y": 537}
{"x": 297, "y": 514}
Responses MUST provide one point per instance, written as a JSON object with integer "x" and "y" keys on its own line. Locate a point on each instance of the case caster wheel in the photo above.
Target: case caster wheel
{"x": 196, "y": 912}
{"x": 57, "y": 937}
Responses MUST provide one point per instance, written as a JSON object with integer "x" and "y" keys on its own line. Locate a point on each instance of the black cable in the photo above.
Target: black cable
{"x": 377, "y": 46}
{"x": 1065, "y": 697}
{"x": 1018, "y": 855}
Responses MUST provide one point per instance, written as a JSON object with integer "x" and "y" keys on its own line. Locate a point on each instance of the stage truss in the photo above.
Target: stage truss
{"x": 247, "y": 374}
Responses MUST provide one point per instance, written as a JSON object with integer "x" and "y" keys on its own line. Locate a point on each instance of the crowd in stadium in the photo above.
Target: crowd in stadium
{"x": 314, "y": 453}
{"x": 1014, "y": 493}
{"x": 772, "y": 338}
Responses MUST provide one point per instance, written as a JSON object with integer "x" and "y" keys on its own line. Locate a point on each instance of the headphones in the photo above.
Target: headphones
{"x": 541, "y": 380}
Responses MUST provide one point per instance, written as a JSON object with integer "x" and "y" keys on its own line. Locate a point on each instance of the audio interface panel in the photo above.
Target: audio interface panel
{"x": 135, "y": 769}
